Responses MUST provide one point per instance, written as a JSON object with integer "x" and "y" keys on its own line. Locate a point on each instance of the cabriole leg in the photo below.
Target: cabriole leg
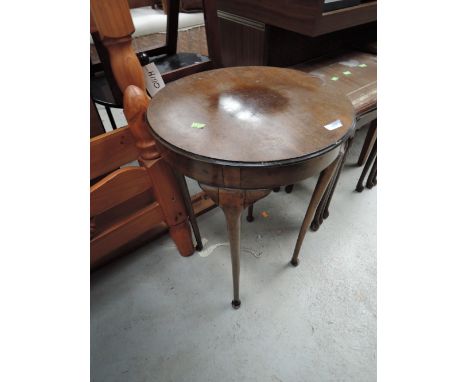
{"x": 233, "y": 202}
{"x": 322, "y": 184}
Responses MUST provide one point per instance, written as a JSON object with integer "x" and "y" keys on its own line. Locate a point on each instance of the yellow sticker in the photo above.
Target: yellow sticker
{"x": 335, "y": 78}
{"x": 347, "y": 73}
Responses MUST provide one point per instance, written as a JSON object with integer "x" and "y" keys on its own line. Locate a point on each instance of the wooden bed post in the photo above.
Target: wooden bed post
{"x": 115, "y": 26}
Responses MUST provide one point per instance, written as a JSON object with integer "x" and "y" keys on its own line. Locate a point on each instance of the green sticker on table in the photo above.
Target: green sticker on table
{"x": 347, "y": 73}
{"x": 198, "y": 125}
{"x": 335, "y": 78}
{"x": 362, "y": 65}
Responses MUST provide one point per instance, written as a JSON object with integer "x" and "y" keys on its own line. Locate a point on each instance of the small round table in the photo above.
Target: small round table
{"x": 242, "y": 131}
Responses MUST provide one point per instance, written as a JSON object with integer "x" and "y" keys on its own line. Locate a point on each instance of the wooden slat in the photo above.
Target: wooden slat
{"x": 118, "y": 187}
{"x": 125, "y": 231}
{"x": 201, "y": 203}
{"x": 186, "y": 71}
{"x": 112, "y": 150}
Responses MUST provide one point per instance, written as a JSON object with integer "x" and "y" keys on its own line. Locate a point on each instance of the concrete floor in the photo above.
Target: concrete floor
{"x": 156, "y": 316}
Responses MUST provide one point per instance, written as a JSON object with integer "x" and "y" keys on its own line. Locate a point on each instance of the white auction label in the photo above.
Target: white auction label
{"x": 153, "y": 79}
{"x": 334, "y": 125}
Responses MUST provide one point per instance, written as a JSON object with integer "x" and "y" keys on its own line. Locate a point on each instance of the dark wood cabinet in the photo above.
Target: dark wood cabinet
{"x": 283, "y": 33}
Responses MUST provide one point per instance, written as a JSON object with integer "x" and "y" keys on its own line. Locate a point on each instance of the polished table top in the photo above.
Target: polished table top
{"x": 250, "y": 115}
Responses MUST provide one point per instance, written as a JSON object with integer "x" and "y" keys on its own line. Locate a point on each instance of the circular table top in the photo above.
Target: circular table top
{"x": 250, "y": 115}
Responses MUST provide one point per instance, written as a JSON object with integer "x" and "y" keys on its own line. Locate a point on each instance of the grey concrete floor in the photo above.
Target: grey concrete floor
{"x": 156, "y": 316}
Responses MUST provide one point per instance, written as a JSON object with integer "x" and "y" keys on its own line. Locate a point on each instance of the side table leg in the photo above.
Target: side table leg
{"x": 322, "y": 184}
{"x": 374, "y": 180}
{"x": 322, "y": 209}
{"x": 111, "y": 117}
{"x": 326, "y": 213}
{"x": 189, "y": 207}
{"x": 372, "y": 175}
{"x": 367, "y": 146}
{"x": 233, "y": 220}
{"x": 315, "y": 225}
{"x": 360, "y": 186}
{"x": 233, "y": 202}
{"x": 250, "y": 217}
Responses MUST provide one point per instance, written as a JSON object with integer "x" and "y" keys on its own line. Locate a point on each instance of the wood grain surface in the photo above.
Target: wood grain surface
{"x": 359, "y": 83}
{"x": 250, "y": 115}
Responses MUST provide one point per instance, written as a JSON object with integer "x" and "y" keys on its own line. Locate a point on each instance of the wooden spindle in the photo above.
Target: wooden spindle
{"x": 165, "y": 187}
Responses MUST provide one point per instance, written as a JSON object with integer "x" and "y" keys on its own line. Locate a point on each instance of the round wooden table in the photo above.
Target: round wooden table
{"x": 242, "y": 131}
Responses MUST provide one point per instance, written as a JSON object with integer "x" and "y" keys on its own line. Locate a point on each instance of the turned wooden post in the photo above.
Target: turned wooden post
{"x": 115, "y": 26}
{"x": 114, "y": 23}
{"x": 166, "y": 189}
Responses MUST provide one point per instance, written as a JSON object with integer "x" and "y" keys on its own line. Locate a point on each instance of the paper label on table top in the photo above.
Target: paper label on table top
{"x": 153, "y": 79}
{"x": 334, "y": 125}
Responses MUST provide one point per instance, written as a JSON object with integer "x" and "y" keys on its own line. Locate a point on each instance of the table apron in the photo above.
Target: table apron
{"x": 246, "y": 177}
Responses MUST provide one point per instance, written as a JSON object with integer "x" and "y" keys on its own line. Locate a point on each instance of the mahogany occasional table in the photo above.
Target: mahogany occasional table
{"x": 242, "y": 131}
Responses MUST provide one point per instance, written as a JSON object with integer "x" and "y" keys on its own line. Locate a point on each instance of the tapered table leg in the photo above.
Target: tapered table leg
{"x": 367, "y": 146}
{"x": 372, "y": 175}
{"x": 326, "y": 213}
{"x": 233, "y": 220}
{"x": 111, "y": 117}
{"x": 233, "y": 202}
{"x": 360, "y": 186}
{"x": 188, "y": 205}
{"x": 322, "y": 209}
{"x": 250, "y": 217}
{"x": 322, "y": 184}
{"x": 374, "y": 179}
{"x": 315, "y": 225}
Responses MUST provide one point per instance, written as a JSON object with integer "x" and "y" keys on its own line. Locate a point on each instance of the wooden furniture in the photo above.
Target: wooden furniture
{"x": 172, "y": 65}
{"x": 112, "y": 224}
{"x": 151, "y": 26}
{"x": 129, "y": 202}
{"x": 372, "y": 178}
{"x": 284, "y": 33}
{"x": 242, "y": 131}
{"x": 353, "y": 74}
